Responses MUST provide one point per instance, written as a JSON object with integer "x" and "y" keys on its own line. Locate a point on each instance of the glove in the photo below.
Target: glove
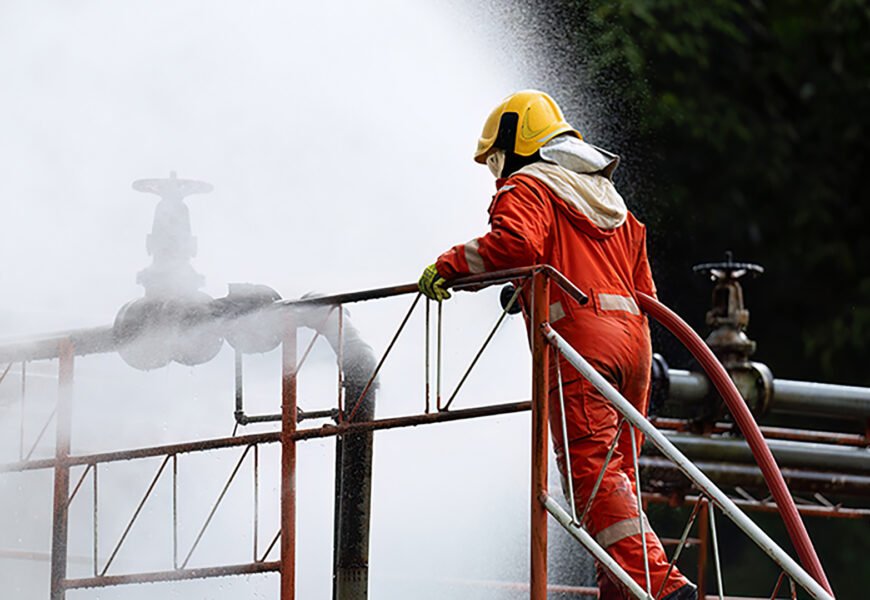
{"x": 431, "y": 284}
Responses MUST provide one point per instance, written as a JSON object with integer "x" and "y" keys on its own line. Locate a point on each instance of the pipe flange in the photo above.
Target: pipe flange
{"x": 754, "y": 381}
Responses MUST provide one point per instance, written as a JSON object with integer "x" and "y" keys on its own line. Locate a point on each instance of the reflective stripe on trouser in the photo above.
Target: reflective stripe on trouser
{"x": 613, "y": 515}
{"x": 621, "y": 530}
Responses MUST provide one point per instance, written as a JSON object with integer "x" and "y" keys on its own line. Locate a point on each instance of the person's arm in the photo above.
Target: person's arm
{"x": 520, "y": 224}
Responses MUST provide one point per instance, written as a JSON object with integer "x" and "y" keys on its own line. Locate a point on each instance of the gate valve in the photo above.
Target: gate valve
{"x": 728, "y": 317}
{"x": 173, "y": 320}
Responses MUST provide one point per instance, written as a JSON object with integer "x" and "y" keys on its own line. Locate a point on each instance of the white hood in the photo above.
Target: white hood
{"x": 579, "y": 173}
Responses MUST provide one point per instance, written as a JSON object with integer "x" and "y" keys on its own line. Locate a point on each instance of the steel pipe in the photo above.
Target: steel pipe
{"x": 777, "y": 433}
{"x": 809, "y": 510}
{"x": 274, "y": 436}
{"x": 288, "y": 464}
{"x": 101, "y": 339}
{"x": 60, "y": 524}
{"x": 41, "y": 347}
{"x": 687, "y": 386}
{"x": 354, "y": 458}
{"x": 823, "y": 399}
{"x": 799, "y": 455}
{"x": 750, "y": 476}
{"x": 789, "y": 397}
{"x": 539, "y": 459}
{"x": 174, "y": 575}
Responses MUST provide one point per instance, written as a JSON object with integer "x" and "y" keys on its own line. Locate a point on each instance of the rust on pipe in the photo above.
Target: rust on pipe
{"x": 174, "y": 575}
{"x": 777, "y": 433}
{"x": 809, "y": 510}
{"x": 275, "y": 436}
{"x": 66, "y": 354}
{"x": 288, "y": 465}
{"x": 703, "y": 546}
{"x": 540, "y": 391}
{"x": 750, "y": 476}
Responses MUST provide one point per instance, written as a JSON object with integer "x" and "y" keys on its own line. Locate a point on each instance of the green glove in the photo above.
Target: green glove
{"x": 431, "y": 284}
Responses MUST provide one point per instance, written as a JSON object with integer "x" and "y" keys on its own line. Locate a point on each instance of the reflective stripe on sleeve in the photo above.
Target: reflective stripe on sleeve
{"x": 617, "y": 302}
{"x": 473, "y": 258}
{"x": 621, "y": 530}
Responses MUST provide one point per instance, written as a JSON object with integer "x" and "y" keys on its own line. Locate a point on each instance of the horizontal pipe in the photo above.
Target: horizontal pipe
{"x": 782, "y": 433}
{"x": 799, "y": 455}
{"x": 408, "y": 288}
{"x": 687, "y": 386}
{"x": 101, "y": 339}
{"x": 413, "y": 420}
{"x": 789, "y": 397}
{"x": 175, "y": 575}
{"x": 94, "y": 340}
{"x": 274, "y": 436}
{"x": 749, "y": 476}
{"x": 150, "y": 452}
{"x": 807, "y": 510}
{"x": 823, "y": 399}
{"x": 470, "y": 282}
{"x": 245, "y": 419}
{"x": 301, "y": 415}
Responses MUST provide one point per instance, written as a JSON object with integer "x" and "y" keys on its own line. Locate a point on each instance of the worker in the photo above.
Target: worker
{"x": 556, "y": 204}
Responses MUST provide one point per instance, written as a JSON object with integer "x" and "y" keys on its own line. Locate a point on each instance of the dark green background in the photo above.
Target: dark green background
{"x": 743, "y": 126}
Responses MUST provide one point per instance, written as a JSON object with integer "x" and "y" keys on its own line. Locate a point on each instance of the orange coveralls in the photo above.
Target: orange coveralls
{"x": 531, "y": 225}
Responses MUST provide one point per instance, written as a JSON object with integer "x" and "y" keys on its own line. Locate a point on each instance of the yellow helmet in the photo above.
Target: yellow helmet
{"x": 521, "y": 124}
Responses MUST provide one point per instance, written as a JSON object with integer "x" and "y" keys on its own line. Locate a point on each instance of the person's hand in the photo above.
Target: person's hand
{"x": 431, "y": 284}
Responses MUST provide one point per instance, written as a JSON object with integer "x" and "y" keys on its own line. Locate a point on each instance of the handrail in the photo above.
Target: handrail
{"x": 96, "y": 340}
{"x": 462, "y": 283}
{"x": 764, "y": 542}
{"x": 100, "y": 340}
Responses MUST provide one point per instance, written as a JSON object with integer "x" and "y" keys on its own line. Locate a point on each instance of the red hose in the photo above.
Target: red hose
{"x": 772, "y": 475}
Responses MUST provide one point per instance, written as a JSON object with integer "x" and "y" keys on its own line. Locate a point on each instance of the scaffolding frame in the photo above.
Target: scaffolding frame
{"x": 537, "y": 281}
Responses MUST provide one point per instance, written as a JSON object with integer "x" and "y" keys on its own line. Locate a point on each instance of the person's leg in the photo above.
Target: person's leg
{"x": 613, "y": 515}
{"x": 607, "y": 587}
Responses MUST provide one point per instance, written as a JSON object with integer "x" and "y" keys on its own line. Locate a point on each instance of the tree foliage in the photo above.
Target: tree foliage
{"x": 750, "y": 120}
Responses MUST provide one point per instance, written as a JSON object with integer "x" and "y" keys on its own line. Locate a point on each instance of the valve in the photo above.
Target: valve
{"x": 250, "y": 325}
{"x": 173, "y": 320}
{"x": 728, "y": 317}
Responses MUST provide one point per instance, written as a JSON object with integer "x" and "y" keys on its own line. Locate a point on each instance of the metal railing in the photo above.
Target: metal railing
{"x": 544, "y": 335}
{"x": 297, "y": 313}
{"x": 534, "y": 283}
{"x": 709, "y": 489}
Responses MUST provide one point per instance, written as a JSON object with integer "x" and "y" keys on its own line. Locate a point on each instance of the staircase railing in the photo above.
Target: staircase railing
{"x": 810, "y": 577}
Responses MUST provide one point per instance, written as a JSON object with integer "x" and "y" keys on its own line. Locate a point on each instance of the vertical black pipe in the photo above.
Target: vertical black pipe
{"x": 353, "y": 460}
{"x": 353, "y": 497}
{"x": 240, "y": 393}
